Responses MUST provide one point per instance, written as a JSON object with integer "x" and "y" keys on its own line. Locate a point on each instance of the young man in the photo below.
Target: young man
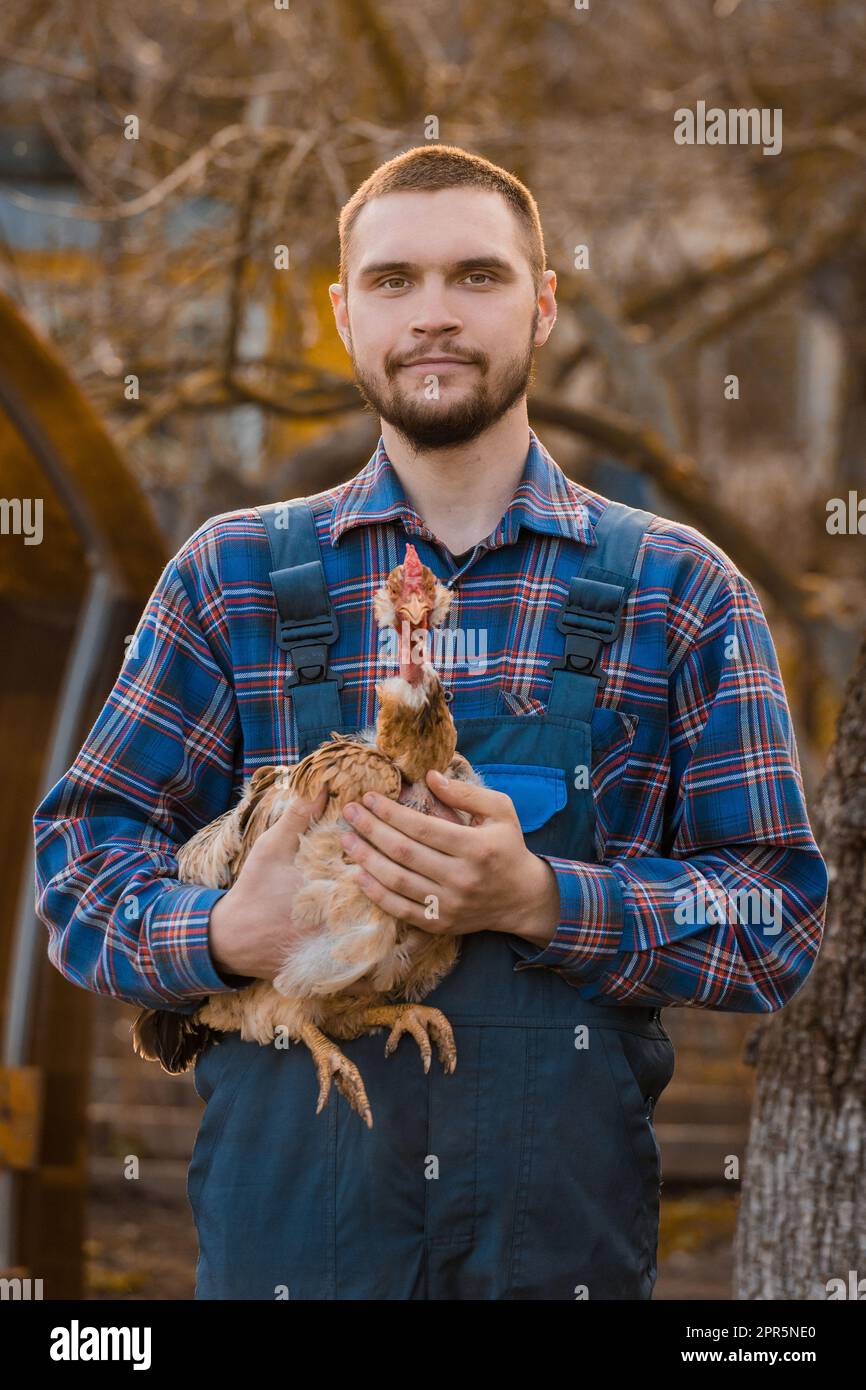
{"x": 642, "y": 839}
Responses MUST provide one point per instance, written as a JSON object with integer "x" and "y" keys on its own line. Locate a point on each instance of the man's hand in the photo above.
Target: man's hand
{"x": 454, "y": 878}
{"x": 251, "y": 925}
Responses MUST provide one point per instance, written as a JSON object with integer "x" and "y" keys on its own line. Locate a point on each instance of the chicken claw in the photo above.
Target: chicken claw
{"x": 416, "y": 1019}
{"x": 330, "y": 1064}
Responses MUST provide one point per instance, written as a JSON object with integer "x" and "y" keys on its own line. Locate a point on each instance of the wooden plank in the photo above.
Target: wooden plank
{"x": 20, "y": 1116}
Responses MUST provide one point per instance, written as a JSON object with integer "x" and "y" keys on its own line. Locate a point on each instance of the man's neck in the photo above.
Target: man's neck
{"x": 461, "y": 494}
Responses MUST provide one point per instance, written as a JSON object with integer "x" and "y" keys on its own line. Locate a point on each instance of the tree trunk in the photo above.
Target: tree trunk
{"x": 802, "y": 1219}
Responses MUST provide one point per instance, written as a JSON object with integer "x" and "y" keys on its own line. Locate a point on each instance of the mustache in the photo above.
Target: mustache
{"x": 431, "y": 352}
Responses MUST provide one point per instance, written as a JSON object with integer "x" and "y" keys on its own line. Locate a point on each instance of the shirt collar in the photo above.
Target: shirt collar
{"x": 544, "y": 500}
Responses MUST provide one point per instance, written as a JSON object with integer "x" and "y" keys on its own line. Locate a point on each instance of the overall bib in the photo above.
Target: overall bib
{"x": 532, "y": 1172}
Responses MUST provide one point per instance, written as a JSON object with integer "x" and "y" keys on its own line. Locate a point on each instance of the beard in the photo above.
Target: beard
{"x": 435, "y": 424}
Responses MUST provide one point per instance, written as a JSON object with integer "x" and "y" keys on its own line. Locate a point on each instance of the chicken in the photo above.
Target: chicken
{"x": 351, "y": 967}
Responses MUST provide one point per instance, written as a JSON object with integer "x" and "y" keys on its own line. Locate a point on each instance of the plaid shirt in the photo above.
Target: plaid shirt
{"x": 709, "y": 889}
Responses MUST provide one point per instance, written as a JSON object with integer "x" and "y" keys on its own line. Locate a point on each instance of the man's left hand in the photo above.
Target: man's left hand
{"x": 445, "y": 877}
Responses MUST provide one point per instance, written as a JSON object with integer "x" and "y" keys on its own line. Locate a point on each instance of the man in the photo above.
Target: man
{"x": 642, "y": 839}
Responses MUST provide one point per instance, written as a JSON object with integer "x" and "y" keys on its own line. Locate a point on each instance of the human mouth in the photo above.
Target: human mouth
{"x": 437, "y": 362}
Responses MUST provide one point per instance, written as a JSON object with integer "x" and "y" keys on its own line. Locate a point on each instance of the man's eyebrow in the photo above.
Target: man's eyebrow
{"x": 410, "y": 268}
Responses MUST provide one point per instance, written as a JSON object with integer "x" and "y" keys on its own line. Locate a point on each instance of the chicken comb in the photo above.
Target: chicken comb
{"x": 413, "y": 570}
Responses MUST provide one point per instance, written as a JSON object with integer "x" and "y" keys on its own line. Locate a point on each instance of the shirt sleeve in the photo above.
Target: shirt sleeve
{"x": 156, "y": 766}
{"x": 731, "y": 915}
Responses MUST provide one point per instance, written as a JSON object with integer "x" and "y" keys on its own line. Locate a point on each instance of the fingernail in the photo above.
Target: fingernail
{"x": 350, "y": 811}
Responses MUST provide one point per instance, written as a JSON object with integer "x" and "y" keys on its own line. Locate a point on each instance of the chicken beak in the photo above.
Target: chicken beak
{"x": 416, "y": 610}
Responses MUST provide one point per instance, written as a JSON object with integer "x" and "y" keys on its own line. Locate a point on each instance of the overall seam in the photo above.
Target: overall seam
{"x": 618, "y": 1093}
{"x": 227, "y": 1110}
{"x": 647, "y": 1183}
{"x": 527, "y": 1130}
{"x": 331, "y": 1214}
{"x": 426, "y": 1240}
{"x": 467, "y": 1238}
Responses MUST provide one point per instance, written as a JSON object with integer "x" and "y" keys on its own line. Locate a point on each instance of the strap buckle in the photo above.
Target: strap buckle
{"x": 308, "y": 665}
{"x": 590, "y": 618}
{"x": 293, "y": 633}
{"x": 307, "y": 644}
{"x": 580, "y": 656}
{"x": 575, "y": 618}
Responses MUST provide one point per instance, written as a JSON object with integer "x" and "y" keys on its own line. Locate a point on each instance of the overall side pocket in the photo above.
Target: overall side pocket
{"x": 641, "y": 1066}
{"x": 219, "y": 1073}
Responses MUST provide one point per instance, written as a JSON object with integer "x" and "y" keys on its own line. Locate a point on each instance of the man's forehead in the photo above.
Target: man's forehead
{"x": 400, "y": 225}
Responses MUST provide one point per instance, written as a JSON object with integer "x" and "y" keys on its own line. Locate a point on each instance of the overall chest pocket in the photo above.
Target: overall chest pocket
{"x": 538, "y": 792}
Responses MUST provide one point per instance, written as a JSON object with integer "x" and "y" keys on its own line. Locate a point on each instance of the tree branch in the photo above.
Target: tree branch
{"x": 642, "y": 448}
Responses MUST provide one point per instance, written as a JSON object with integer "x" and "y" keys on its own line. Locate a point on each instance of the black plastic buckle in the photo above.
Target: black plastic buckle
{"x": 309, "y": 665}
{"x": 576, "y": 619}
{"x": 581, "y": 654}
{"x": 587, "y": 630}
{"x": 290, "y": 635}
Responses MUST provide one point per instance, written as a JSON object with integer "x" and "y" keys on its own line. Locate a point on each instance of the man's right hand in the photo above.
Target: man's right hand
{"x": 251, "y": 925}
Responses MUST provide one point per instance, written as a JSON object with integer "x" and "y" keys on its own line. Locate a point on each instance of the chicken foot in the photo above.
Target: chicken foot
{"x": 332, "y": 1064}
{"x": 416, "y": 1019}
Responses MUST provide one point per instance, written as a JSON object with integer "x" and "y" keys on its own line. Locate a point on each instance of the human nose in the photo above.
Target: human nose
{"x": 433, "y": 314}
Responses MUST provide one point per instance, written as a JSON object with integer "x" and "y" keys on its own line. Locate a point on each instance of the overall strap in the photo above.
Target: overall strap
{"x": 306, "y": 621}
{"x": 591, "y": 616}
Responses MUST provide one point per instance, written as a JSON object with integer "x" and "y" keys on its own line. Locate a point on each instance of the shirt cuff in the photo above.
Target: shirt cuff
{"x": 235, "y": 981}
{"x": 178, "y": 943}
{"x": 590, "y": 928}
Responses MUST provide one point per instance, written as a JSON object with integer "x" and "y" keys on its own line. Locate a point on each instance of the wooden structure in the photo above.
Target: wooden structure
{"x": 70, "y": 589}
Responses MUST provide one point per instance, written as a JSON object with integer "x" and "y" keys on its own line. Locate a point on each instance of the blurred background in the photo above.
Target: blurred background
{"x": 170, "y": 181}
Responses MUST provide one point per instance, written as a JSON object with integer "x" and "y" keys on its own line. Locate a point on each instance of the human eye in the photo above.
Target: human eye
{"x": 486, "y": 274}
{"x": 384, "y": 284}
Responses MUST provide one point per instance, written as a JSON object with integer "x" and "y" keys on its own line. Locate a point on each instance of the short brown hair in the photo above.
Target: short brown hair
{"x": 432, "y": 167}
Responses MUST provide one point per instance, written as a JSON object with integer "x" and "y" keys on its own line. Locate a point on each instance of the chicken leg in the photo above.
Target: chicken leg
{"x": 416, "y": 1019}
{"x": 330, "y": 1064}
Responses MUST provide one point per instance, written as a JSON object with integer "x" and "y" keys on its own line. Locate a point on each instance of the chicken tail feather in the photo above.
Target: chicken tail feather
{"x": 172, "y": 1039}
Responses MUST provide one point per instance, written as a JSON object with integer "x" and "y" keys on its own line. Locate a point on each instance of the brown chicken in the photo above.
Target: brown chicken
{"x": 351, "y": 967}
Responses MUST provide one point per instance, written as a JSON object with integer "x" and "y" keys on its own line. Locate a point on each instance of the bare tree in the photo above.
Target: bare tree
{"x": 802, "y": 1220}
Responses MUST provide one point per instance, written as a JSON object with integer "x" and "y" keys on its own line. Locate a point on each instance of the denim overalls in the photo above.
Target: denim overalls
{"x": 533, "y": 1171}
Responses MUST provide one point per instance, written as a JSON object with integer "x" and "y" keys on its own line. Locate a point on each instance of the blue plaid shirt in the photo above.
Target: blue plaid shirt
{"x": 709, "y": 889}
